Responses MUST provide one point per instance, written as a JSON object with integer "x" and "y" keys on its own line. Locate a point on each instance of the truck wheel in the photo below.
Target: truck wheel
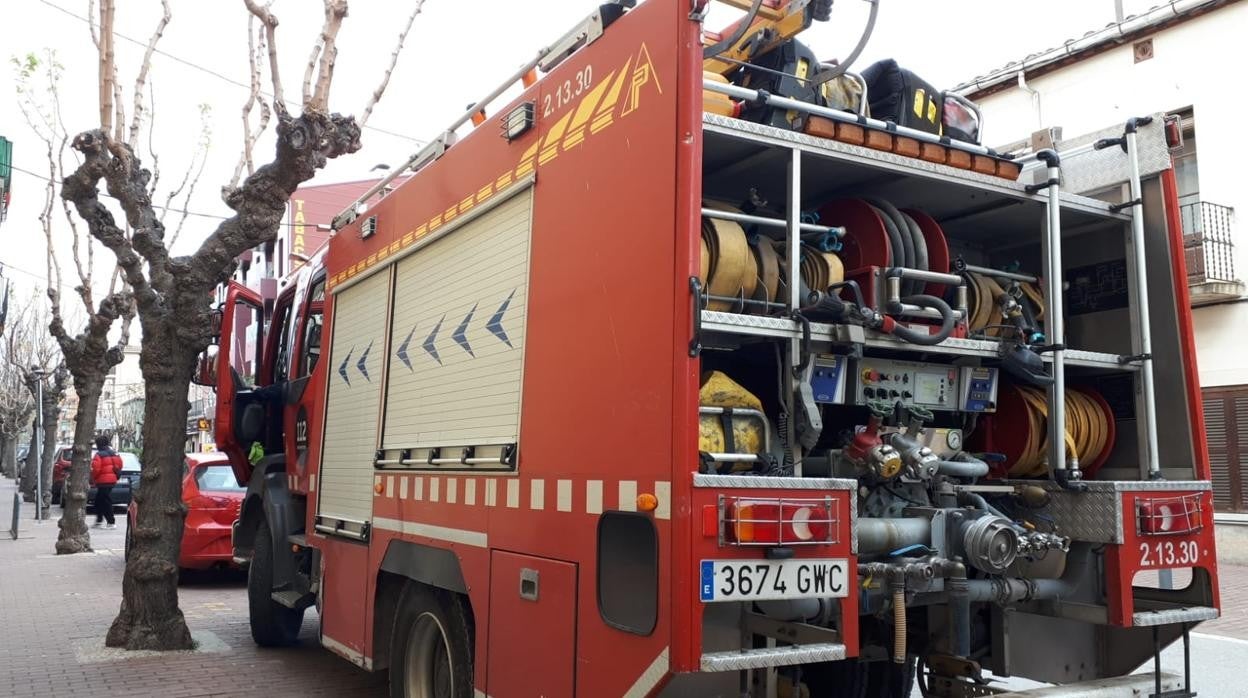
{"x": 844, "y": 679}
{"x": 890, "y": 680}
{"x": 430, "y": 646}
{"x": 272, "y": 624}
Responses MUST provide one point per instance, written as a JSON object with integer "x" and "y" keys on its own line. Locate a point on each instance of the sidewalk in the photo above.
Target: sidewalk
{"x": 55, "y": 610}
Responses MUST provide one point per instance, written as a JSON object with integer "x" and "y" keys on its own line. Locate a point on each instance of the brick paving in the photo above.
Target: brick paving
{"x": 55, "y": 610}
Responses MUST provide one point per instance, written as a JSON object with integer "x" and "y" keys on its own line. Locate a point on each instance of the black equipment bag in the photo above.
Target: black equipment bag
{"x": 900, "y": 96}
{"x": 785, "y": 72}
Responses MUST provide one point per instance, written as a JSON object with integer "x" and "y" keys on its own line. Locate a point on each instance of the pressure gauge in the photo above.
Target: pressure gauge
{"x": 954, "y": 439}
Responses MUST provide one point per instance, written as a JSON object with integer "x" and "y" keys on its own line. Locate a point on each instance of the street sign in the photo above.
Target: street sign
{"x": 6, "y": 175}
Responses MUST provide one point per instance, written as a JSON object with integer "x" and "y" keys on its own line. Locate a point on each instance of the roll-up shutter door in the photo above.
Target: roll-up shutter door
{"x": 355, "y": 379}
{"x": 458, "y": 334}
{"x": 1226, "y": 428}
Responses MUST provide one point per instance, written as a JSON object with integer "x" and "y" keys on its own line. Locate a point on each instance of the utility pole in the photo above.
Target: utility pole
{"x": 40, "y": 373}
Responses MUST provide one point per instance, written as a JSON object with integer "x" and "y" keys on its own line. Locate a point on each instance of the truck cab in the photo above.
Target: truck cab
{"x": 266, "y": 370}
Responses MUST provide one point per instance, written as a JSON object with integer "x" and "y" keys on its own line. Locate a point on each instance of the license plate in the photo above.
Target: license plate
{"x": 741, "y": 580}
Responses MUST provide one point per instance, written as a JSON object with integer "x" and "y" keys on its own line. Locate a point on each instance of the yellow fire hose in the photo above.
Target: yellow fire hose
{"x": 732, "y": 267}
{"x": 985, "y": 303}
{"x": 1087, "y": 431}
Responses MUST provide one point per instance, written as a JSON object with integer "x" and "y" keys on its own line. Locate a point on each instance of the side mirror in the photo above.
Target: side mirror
{"x": 214, "y": 322}
{"x": 206, "y": 367}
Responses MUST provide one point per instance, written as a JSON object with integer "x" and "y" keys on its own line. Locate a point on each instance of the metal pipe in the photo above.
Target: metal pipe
{"x": 959, "y": 609}
{"x": 1006, "y": 590}
{"x": 934, "y": 277}
{"x": 997, "y": 273}
{"x": 1051, "y": 244}
{"x": 921, "y": 311}
{"x": 434, "y": 149}
{"x": 885, "y": 535}
{"x": 733, "y": 457}
{"x": 1144, "y": 335}
{"x": 967, "y": 469}
{"x": 837, "y": 115}
{"x": 771, "y": 222}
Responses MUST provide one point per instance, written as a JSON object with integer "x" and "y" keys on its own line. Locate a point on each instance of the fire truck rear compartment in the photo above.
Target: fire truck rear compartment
{"x": 918, "y": 542}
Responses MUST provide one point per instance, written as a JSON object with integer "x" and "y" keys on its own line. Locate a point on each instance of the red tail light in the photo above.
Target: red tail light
{"x": 778, "y": 522}
{"x": 1161, "y": 516}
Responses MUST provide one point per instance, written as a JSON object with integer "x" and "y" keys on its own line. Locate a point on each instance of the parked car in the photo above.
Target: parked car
{"x": 213, "y": 497}
{"x": 60, "y": 470}
{"x": 126, "y": 483}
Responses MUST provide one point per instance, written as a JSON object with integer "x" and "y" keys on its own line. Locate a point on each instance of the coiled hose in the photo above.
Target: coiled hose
{"x": 899, "y": 623}
{"x": 1087, "y": 430}
{"x": 922, "y": 338}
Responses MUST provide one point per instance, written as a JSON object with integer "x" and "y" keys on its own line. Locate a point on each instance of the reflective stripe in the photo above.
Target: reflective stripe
{"x": 451, "y": 535}
{"x": 650, "y": 677}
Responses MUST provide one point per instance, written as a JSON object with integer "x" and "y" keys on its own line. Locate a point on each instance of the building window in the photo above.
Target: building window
{"x": 1226, "y": 429}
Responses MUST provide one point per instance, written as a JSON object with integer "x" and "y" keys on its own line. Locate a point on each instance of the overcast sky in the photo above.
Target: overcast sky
{"x": 457, "y": 51}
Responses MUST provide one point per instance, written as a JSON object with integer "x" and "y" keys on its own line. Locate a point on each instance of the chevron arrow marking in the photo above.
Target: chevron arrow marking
{"x": 362, "y": 365}
{"x": 495, "y": 325}
{"x": 402, "y": 352}
{"x": 429, "y": 345}
{"x": 460, "y": 334}
{"x": 342, "y": 370}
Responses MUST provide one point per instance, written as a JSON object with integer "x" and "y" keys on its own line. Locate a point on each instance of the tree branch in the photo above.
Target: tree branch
{"x": 394, "y": 59}
{"x": 108, "y": 73}
{"x": 205, "y": 141}
{"x": 270, "y": 29}
{"x": 255, "y": 46}
{"x": 335, "y": 11}
{"x": 304, "y": 145}
{"x": 144, "y": 67}
{"x": 130, "y": 188}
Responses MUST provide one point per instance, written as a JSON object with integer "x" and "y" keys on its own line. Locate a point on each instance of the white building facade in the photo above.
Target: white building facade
{"x": 1183, "y": 57}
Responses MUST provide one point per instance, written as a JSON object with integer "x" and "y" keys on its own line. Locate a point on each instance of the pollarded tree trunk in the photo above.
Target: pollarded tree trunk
{"x": 74, "y": 537}
{"x": 29, "y": 467}
{"x": 47, "y": 456}
{"x": 8, "y": 456}
{"x": 149, "y": 616}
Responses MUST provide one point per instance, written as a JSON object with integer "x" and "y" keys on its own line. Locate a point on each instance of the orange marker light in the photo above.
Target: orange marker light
{"x": 647, "y": 502}
{"x": 529, "y": 78}
{"x": 478, "y": 118}
{"x": 379, "y": 488}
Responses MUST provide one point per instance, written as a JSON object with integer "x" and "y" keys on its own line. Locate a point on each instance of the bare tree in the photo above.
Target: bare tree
{"x": 31, "y": 354}
{"x": 16, "y": 404}
{"x": 88, "y": 353}
{"x": 173, "y": 297}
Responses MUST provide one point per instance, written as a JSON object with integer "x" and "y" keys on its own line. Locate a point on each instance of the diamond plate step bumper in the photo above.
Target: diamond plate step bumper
{"x": 772, "y": 656}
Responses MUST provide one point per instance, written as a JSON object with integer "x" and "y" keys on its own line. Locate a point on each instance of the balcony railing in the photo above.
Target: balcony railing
{"x": 1207, "y": 242}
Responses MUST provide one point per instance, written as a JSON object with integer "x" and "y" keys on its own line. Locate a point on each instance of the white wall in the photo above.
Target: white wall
{"x": 1199, "y": 64}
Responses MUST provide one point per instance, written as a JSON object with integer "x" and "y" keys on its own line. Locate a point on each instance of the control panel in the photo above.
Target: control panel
{"x": 828, "y": 381}
{"x": 933, "y": 386}
{"x": 979, "y": 389}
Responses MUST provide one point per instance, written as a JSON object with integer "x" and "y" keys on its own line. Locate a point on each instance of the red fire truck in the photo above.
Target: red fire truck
{"x": 704, "y": 368}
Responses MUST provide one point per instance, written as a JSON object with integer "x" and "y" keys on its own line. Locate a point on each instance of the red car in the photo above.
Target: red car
{"x": 213, "y": 497}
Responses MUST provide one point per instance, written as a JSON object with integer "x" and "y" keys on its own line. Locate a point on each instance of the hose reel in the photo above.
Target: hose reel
{"x": 1019, "y": 430}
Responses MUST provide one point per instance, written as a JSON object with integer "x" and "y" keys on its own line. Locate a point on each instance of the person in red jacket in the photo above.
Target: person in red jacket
{"x": 105, "y": 469}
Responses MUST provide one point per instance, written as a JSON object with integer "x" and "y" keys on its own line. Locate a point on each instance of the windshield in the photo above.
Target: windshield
{"x": 216, "y": 478}
{"x": 129, "y": 462}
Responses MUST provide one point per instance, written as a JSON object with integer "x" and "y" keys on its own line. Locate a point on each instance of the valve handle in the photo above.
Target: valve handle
{"x": 879, "y": 409}
{"x": 921, "y": 413}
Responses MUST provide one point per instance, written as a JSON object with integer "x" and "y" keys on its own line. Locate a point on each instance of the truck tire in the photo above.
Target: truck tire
{"x": 890, "y": 680}
{"x": 431, "y": 645}
{"x": 844, "y": 679}
{"x": 272, "y": 624}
